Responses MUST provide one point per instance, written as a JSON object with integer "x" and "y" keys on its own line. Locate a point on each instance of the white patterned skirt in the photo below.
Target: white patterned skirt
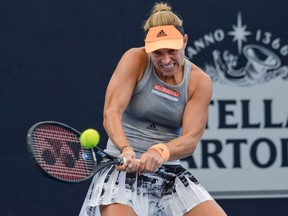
{"x": 171, "y": 191}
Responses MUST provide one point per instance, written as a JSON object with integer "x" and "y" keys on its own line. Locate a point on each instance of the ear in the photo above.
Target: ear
{"x": 185, "y": 38}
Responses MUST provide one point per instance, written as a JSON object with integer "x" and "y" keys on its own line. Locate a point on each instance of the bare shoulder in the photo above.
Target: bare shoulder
{"x": 199, "y": 81}
{"x": 136, "y": 60}
{"x": 132, "y": 64}
{"x": 137, "y": 54}
{"x": 199, "y": 75}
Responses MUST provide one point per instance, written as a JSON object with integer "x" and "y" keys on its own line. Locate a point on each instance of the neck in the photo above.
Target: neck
{"x": 174, "y": 79}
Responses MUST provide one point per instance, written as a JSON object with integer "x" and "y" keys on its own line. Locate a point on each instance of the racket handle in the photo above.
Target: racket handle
{"x": 122, "y": 160}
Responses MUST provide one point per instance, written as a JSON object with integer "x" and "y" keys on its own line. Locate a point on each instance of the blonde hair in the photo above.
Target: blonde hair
{"x": 162, "y": 14}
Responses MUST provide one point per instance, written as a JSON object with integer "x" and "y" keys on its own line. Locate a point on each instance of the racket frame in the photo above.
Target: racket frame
{"x": 100, "y": 158}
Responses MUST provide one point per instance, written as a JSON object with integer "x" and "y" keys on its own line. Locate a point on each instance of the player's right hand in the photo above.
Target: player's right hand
{"x": 131, "y": 163}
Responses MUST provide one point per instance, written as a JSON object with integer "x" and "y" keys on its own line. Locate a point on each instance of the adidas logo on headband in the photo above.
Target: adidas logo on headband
{"x": 161, "y": 33}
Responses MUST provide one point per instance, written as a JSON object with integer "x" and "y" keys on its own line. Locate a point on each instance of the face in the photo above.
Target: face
{"x": 168, "y": 62}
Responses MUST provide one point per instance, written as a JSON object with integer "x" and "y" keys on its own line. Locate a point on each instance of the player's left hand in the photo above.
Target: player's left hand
{"x": 150, "y": 162}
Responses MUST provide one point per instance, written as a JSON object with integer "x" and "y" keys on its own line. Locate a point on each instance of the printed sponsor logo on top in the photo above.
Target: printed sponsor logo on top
{"x": 165, "y": 92}
{"x": 152, "y": 127}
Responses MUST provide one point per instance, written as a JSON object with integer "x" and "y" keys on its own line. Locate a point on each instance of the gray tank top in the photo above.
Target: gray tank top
{"x": 154, "y": 113}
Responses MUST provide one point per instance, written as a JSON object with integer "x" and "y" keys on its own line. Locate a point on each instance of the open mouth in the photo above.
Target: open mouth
{"x": 168, "y": 67}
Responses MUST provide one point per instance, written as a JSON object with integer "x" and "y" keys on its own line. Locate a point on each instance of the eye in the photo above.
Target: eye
{"x": 172, "y": 51}
{"x": 156, "y": 52}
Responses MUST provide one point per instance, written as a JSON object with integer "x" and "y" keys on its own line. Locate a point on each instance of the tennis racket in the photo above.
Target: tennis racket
{"x": 55, "y": 149}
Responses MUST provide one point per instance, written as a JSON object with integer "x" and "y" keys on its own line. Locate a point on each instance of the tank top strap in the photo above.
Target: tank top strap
{"x": 146, "y": 76}
{"x": 187, "y": 73}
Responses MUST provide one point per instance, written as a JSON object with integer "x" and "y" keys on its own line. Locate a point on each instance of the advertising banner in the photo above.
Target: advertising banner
{"x": 244, "y": 151}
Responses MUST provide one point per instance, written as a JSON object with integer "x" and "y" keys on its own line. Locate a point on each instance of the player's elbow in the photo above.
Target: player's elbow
{"x": 110, "y": 114}
{"x": 106, "y": 116}
{"x": 193, "y": 140}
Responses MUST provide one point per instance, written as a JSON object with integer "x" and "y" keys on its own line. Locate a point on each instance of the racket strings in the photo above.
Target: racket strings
{"x": 59, "y": 152}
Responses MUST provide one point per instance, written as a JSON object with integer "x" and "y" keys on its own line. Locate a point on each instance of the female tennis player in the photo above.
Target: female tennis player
{"x": 155, "y": 113}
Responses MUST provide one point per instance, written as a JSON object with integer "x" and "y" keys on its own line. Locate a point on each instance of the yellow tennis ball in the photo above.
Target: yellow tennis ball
{"x": 89, "y": 138}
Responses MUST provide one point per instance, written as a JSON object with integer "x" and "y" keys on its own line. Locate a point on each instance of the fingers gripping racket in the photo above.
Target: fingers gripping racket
{"x": 55, "y": 149}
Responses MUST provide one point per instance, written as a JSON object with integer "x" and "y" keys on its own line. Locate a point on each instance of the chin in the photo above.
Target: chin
{"x": 170, "y": 73}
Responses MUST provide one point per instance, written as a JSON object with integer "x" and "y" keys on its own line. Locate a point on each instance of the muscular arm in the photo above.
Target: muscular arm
{"x": 193, "y": 123}
{"x": 119, "y": 92}
{"x": 194, "y": 117}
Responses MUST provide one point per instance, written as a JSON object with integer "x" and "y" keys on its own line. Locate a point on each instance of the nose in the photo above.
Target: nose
{"x": 165, "y": 59}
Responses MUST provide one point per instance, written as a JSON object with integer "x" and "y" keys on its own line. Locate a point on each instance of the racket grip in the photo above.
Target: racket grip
{"x": 122, "y": 160}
